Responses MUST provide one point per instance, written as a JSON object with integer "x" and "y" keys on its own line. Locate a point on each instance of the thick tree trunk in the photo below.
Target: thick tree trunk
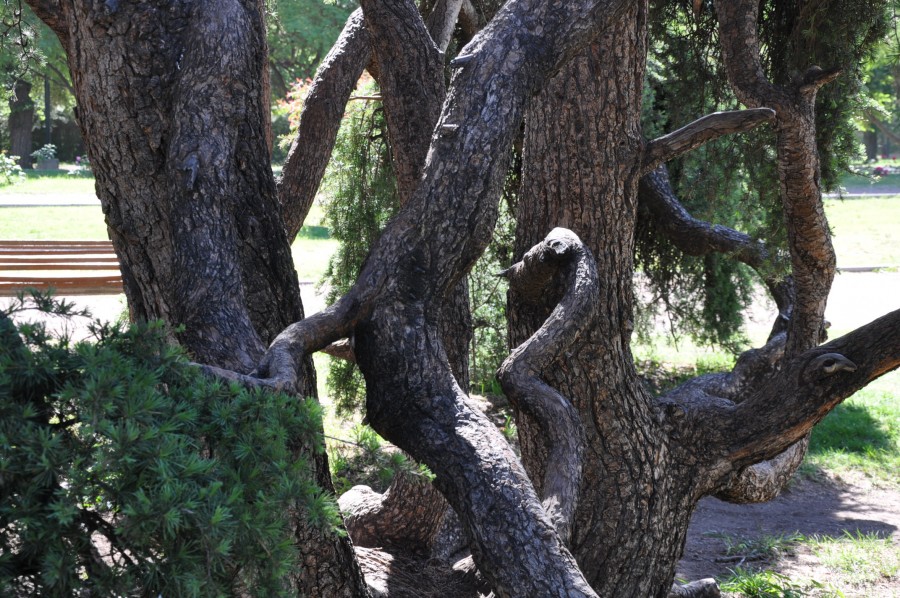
{"x": 21, "y": 121}
{"x": 172, "y": 107}
{"x": 582, "y": 157}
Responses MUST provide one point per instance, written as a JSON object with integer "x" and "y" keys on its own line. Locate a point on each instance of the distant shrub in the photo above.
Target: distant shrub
{"x": 10, "y": 171}
{"x": 123, "y": 471}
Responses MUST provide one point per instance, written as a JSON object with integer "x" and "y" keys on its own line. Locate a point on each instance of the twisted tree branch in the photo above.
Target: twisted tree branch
{"x": 519, "y": 375}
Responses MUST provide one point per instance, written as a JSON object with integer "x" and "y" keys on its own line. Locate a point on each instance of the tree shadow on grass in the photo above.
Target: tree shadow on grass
{"x": 850, "y": 428}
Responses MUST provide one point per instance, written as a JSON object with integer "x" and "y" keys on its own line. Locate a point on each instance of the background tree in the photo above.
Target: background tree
{"x": 196, "y": 224}
{"x": 33, "y": 63}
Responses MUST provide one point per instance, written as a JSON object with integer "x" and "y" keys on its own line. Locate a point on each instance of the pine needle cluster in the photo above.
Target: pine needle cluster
{"x": 123, "y": 471}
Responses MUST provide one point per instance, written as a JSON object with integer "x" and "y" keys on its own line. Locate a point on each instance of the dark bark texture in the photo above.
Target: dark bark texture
{"x": 582, "y": 159}
{"x": 171, "y": 98}
{"x": 172, "y": 107}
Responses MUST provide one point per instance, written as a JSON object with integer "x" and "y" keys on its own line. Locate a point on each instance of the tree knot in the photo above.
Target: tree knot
{"x": 826, "y": 365}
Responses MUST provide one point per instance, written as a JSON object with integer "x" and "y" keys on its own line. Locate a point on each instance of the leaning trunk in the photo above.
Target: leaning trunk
{"x": 180, "y": 153}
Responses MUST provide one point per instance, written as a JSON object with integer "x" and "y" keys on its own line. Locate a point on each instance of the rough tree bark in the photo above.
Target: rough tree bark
{"x": 645, "y": 465}
{"x": 582, "y": 158}
{"x": 171, "y": 104}
{"x": 195, "y": 221}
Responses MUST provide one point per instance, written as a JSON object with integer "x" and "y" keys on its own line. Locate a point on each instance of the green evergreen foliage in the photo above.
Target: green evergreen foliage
{"x": 362, "y": 196}
{"x": 487, "y": 295}
{"x": 300, "y": 34}
{"x": 733, "y": 181}
{"x": 797, "y": 35}
{"x": 123, "y": 471}
{"x": 367, "y": 460}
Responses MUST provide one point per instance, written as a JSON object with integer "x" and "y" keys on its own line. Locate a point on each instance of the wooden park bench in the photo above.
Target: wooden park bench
{"x": 69, "y": 267}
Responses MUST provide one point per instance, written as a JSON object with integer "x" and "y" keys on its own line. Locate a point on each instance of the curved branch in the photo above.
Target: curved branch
{"x": 282, "y": 360}
{"x": 697, "y": 237}
{"x": 320, "y": 120}
{"x": 558, "y": 418}
{"x": 51, "y": 13}
{"x": 393, "y": 308}
{"x": 704, "y": 129}
{"x": 807, "y": 387}
{"x": 812, "y": 255}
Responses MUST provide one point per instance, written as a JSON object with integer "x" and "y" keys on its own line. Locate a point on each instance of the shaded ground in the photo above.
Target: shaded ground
{"x": 823, "y": 508}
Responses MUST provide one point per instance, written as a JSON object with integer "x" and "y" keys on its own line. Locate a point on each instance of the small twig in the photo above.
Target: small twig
{"x": 342, "y": 440}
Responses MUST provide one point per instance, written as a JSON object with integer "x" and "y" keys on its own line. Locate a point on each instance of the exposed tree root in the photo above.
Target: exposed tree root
{"x": 702, "y": 588}
{"x": 407, "y": 516}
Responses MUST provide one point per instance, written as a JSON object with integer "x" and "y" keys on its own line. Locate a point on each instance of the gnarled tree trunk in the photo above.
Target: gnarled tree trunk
{"x": 173, "y": 110}
{"x": 581, "y": 163}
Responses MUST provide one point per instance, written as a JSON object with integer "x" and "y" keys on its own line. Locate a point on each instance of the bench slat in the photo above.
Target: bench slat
{"x": 43, "y": 243}
{"x": 36, "y": 267}
{"x": 93, "y": 285}
{"x": 38, "y": 257}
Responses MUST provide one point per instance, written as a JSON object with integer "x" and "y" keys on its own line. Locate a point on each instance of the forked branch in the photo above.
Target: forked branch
{"x": 806, "y": 388}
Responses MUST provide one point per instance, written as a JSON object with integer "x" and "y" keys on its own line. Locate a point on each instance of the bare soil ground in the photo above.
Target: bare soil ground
{"x": 822, "y": 507}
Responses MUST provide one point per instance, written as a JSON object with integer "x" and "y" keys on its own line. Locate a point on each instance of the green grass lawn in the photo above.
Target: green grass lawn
{"x": 58, "y": 182}
{"x": 865, "y": 230}
{"x": 865, "y": 184}
{"x": 861, "y": 436}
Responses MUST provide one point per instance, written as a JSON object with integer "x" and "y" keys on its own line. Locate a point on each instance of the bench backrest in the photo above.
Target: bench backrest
{"x": 59, "y": 265}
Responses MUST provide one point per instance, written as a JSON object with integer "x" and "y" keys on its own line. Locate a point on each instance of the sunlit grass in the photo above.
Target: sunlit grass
{"x": 861, "y": 436}
{"x": 865, "y": 230}
{"x": 59, "y": 183}
{"x": 63, "y": 223}
{"x": 749, "y": 583}
{"x": 861, "y": 559}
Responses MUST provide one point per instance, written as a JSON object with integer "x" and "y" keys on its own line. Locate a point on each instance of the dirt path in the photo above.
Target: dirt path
{"x": 808, "y": 507}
